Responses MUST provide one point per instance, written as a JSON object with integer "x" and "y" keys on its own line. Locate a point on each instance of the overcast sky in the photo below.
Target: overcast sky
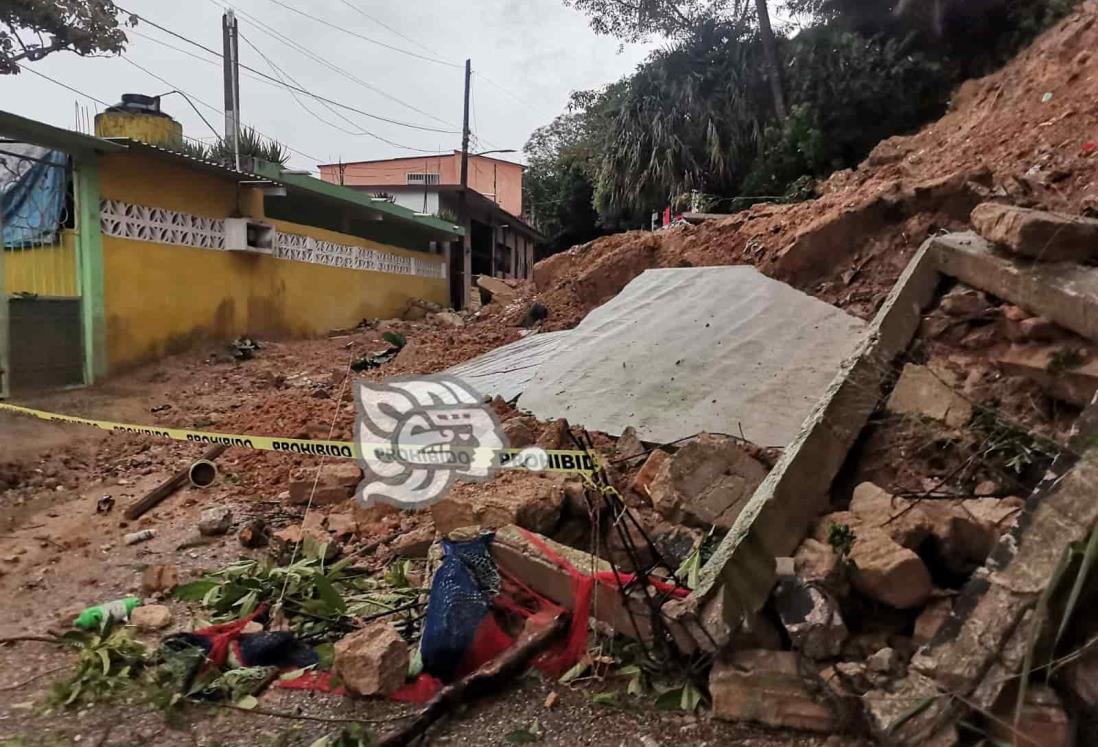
{"x": 528, "y": 55}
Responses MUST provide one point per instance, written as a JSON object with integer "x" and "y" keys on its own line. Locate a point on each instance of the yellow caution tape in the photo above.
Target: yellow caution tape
{"x": 554, "y": 460}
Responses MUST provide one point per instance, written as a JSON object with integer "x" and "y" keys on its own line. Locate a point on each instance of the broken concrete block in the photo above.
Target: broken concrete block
{"x": 1066, "y": 372}
{"x": 920, "y": 392}
{"x": 414, "y": 544}
{"x": 886, "y": 571}
{"x": 1043, "y": 722}
{"x": 372, "y": 661}
{"x": 931, "y": 619}
{"x": 812, "y": 619}
{"x": 1063, "y": 292}
{"x": 816, "y": 562}
{"x": 1042, "y": 235}
{"x": 215, "y": 521}
{"x": 529, "y": 500}
{"x": 706, "y": 483}
{"x": 151, "y": 617}
{"x": 335, "y": 484}
{"x": 520, "y": 431}
{"x": 159, "y": 578}
{"x": 642, "y": 481}
{"x": 498, "y": 290}
{"x": 766, "y": 687}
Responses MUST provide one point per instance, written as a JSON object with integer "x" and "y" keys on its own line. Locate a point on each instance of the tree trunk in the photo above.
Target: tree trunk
{"x": 770, "y": 50}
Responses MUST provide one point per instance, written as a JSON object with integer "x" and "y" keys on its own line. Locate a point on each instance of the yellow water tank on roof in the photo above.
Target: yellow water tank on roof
{"x": 139, "y": 118}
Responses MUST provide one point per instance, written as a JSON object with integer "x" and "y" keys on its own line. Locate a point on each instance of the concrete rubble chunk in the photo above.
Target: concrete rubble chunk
{"x": 931, "y": 620}
{"x": 521, "y": 431}
{"x": 159, "y": 578}
{"x": 1063, "y": 292}
{"x": 628, "y": 446}
{"x": 812, "y": 619}
{"x": 766, "y": 687}
{"x": 888, "y": 572}
{"x": 706, "y": 482}
{"x": 414, "y": 544}
{"x": 151, "y": 617}
{"x": 335, "y": 484}
{"x": 920, "y": 391}
{"x": 1067, "y": 372}
{"x": 529, "y": 500}
{"x": 498, "y": 289}
{"x": 642, "y": 481}
{"x": 1043, "y": 722}
{"x": 1039, "y": 234}
{"x": 373, "y": 660}
{"x": 215, "y": 521}
{"x": 816, "y": 562}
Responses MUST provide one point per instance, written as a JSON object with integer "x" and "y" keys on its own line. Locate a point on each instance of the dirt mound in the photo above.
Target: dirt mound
{"x": 1025, "y": 134}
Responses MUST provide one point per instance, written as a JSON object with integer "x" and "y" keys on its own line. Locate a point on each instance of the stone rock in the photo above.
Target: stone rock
{"x": 151, "y": 617}
{"x": 372, "y": 661}
{"x": 336, "y": 483}
{"x": 448, "y": 319}
{"x": 642, "y": 481}
{"x": 674, "y": 541}
{"x": 811, "y": 617}
{"x": 888, "y": 572}
{"x": 419, "y": 308}
{"x": 706, "y": 483}
{"x": 498, "y": 290}
{"x": 1047, "y": 236}
{"x": 965, "y": 303}
{"x": 920, "y": 392}
{"x": 253, "y": 534}
{"x": 1043, "y": 722}
{"x": 555, "y": 435}
{"x": 1036, "y": 329}
{"x": 1066, "y": 372}
{"x": 816, "y": 562}
{"x": 215, "y": 521}
{"x": 159, "y": 578}
{"x": 414, "y": 544}
{"x": 885, "y": 661}
{"x": 368, "y": 515}
{"x": 529, "y": 500}
{"x": 342, "y": 524}
{"x": 521, "y": 431}
{"x": 575, "y": 499}
{"x": 931, "y": 619}
{"x": 874, "y": 506}
{"x": 766, "y": 687}
{"x": 628, "y": 446}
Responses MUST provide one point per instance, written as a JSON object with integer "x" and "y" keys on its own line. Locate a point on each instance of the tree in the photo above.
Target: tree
{"x": 635, "y": 20}
{"x": 32, "y": 29}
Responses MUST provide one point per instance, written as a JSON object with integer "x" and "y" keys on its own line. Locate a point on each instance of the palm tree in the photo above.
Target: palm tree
{"x": 770, "y": 48}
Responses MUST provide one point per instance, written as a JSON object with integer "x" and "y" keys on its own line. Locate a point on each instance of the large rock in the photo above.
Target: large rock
{"x": 215, "y": 521}
{"x": 888, "y": 572}
{"x": 706, "y": 483}
{"x": 498, "y": 290}
{"x": 766, "y": 687}
{"x": 642, "y": 481}
{"x": 372, "y": 661}
{"x": 337, "y": 482}
{"x": 529, "y": 500}
{"x": 159, "y": 578}
{"x": 1051, "y": 237}
{"x": 1067, "y": 372}
{"x": 149, "y": 617}
{"x": 922, "y": 392}
{"x": 811, "y": 617}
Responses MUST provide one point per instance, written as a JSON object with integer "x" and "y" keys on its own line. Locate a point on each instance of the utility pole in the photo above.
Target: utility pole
{"x": 231, "y": 59}
{"x": 463, "y": 198}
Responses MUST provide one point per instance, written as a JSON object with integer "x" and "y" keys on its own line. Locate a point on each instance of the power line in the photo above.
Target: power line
{"x": 213, "y": 108}
{"x": 196, "y": 111}
{"x": 361, "y": 131}
{"x": 384, "y": 25}
{"x": 290, "y": 42}
{"x": 299, "y": 89}
{"x": 507, "y": 91}
{"x": 63, "y": 85}
{"x": 355, "y": 34}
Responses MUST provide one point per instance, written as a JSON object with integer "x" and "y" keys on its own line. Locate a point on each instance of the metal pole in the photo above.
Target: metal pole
{"x": 463, "y": 199}
{"x": 232, "y": 83}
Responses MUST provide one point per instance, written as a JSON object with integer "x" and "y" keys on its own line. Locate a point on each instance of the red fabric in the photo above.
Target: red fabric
{"x": 320, "y": 682}
{"x": 490, "y": 641}
{"x": 221, "y": 636}
{"x": 419, "y": 690}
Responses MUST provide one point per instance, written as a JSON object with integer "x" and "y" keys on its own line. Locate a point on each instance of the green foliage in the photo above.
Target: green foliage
{"x": 107, "y": 663}
{"x": 252, "y": 145}
{"x": 354, "y": 735}
{"x": 526, "y": 734}
{"x": 841, "y": 538}
{"x": 634, "y": 20}
{"x": 32, "y": 29}
{"x": 1010, "y": 448}
{"x": 395, "y": 339}
{"x": 320, "y": 600}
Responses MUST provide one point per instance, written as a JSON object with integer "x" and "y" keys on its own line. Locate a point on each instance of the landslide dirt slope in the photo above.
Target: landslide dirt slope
{"x": 1004, "y": 138}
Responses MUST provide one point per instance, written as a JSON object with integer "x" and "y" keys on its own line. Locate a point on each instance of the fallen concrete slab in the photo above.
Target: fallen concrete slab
{"x": 737, "y": 580}
{"x": 1064, "y": 292}
{"x": 507, "y": 371}
{"x": 689, "y": 350}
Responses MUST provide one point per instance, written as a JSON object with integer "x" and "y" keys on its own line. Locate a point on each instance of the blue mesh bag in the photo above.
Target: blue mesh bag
{"x": 461, "y": 596}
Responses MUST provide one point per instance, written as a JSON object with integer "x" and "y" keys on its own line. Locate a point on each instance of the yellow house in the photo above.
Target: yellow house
{"x": 162, "y": 250}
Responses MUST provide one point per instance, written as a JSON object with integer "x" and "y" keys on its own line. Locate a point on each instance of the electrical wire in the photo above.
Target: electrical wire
{"x": 384, "y": 25}
{"x": 290, "y": 42}
{"x": 357, "y": 35}
{"x": 299, "y": 89}
{"x": 279, "y": 71}
{"x": 63, "y": 85}
{"x": 196, "y": 110}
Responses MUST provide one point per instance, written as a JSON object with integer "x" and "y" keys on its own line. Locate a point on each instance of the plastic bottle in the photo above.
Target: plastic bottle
{"x": 119, "y": 609}
{"x": 140, "y": 536}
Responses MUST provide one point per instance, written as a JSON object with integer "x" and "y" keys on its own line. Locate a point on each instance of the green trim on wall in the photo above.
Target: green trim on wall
{"x": 89, "y": 239}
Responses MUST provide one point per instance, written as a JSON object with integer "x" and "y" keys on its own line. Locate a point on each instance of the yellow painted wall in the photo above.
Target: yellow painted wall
{"x": 45, "y": 270}
{"x": 162, "y": 299}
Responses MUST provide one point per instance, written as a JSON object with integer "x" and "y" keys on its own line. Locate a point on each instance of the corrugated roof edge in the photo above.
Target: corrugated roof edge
{"x": 15, "y": 127}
